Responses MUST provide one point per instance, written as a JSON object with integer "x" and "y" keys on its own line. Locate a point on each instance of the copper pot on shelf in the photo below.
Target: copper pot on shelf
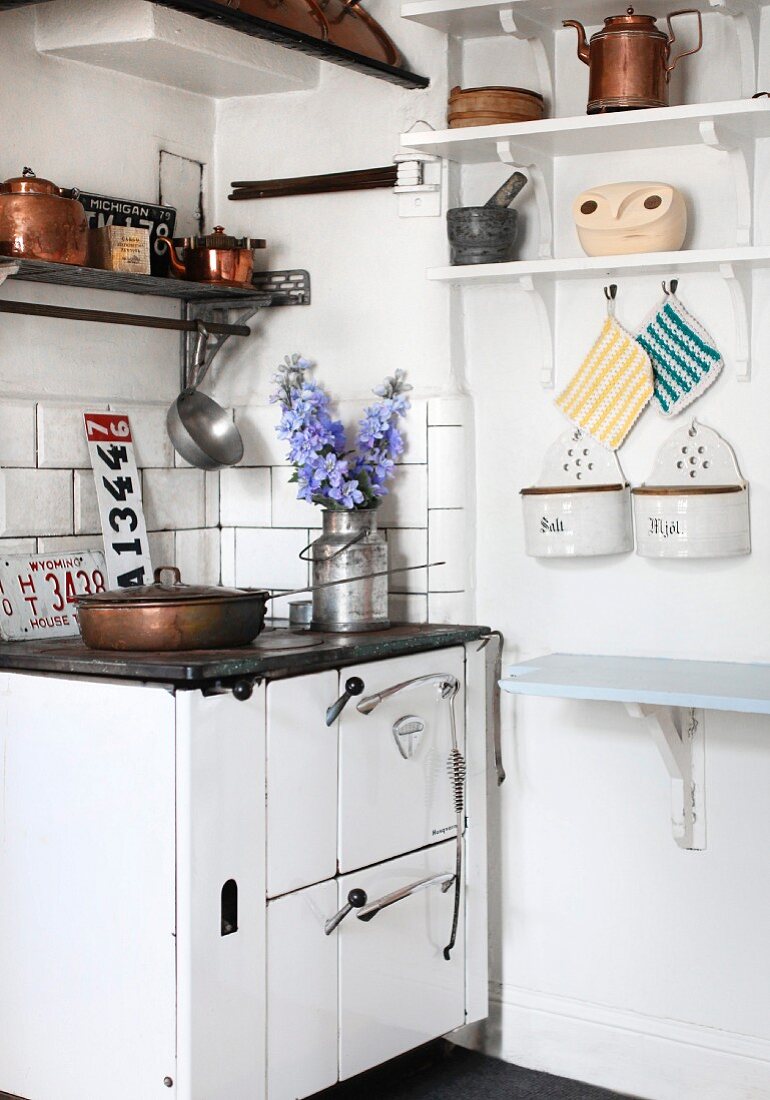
{"x": 216, "y": 258}
{"x": 40, "y": 221}
{"x": 630, "y": 60}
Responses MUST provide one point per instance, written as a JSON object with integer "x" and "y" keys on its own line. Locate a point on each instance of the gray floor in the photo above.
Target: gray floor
{"x": 455, "y": 1074}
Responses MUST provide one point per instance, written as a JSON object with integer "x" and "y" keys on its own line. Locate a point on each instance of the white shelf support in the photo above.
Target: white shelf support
{"x": 542, "y": 187}
{"x": 542, "y": 299}
{"x": 680, "y": 739}
{"x": 746, "y": 21}
{"x": 6, "y": 270}
{"x": 722, "y": 141}
{"x": 543, "y": 64}
{"x": 739, "y": 283}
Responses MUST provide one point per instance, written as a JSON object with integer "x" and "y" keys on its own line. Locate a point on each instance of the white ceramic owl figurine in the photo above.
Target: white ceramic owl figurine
{"x": 619, "y": 218}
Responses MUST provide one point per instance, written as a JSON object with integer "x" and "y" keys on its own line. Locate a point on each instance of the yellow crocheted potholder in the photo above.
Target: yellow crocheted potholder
{"x": 611, "y": 388}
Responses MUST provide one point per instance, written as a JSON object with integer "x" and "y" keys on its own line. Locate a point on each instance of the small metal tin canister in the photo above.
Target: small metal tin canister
{"x": 350, "y": 546}
{"x": 300, "y": 613}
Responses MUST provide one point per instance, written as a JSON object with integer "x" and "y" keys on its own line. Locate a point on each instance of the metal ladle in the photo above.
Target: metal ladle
{"x": 201, "y": 431}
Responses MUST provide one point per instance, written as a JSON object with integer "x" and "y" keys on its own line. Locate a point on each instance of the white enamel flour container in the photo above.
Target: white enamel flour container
{"x": 696, "y": 503}
{"x": 581, "y": 506}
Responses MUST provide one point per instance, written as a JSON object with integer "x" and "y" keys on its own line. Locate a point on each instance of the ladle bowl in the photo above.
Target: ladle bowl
{"x": 202, "y": 432}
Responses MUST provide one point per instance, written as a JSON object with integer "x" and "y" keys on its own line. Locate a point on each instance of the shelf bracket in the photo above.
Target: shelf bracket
{"x": 746, "y": 23}
{"x": 739, "y": 284}
{"x": 723, "y": 142}
{"x": 542, "y": 297}
{"x": 510, "y": 25}
{"x": 680, "y": 740}
{"x": 541, "y": 184}
{"x": 205, "y": 311}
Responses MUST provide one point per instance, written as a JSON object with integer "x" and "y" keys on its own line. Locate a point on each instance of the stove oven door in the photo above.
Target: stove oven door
{"x": 396, "y": 989}
{"x": 395, "y": 790}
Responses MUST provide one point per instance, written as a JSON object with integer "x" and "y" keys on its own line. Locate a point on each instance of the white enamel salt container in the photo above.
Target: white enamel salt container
{"x": 695, "y": 503}
{"x": 581, "y": 505}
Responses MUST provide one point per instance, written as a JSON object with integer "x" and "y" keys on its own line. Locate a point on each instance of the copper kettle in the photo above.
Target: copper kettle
{"x": 40, "y": 221}
{"x": 216, "y": 258}
{"x": 630, "y": 61}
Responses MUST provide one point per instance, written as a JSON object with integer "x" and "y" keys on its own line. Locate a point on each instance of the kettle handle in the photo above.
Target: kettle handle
{"x": 686, "y": 11}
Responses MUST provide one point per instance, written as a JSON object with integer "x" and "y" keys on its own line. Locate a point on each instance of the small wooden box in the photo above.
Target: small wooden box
{"x": 120, "y": 248}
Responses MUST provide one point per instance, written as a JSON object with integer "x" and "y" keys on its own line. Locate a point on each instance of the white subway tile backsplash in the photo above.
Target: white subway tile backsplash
{"x": 415, "y": 431}
{"x": 18, "y": 546}
{"x": 449, "y": 607}
{"x": 448, "y": 468}
{"x": 447, "y": 542}
{"x": 152, "y": 445}
{"x": 162, "y": 549}
{"x": 450, "y": 411}
{"x": 262, "y": 447}
{"x": 67, "y": 543}
{"x": 36, "y": 502}
{"x": 244, "y": 497}
{"x": 269, "y": 558}
{"x": 406, "y": 504}
{"x": 408, "y": 609}
{"x": 17, "y": 433}
{"x": 212, "y": 498}
{"x": 408, "y": 547}
{"x": 197, "y": 556}
{"x": 287, "y": 510}
{"x": 87, "y": 520}
{"x": 174, "y": 499}
{"x": 61, "y": 435}
{"x": 227, "y": 552}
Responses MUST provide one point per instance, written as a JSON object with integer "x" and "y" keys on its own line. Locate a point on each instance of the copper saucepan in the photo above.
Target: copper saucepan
{"x": 216, "y": 258}
{"x": 183, "y": 617}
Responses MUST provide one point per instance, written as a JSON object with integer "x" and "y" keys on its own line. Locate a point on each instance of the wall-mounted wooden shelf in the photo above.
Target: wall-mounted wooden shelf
{"x": 671, "y": 697}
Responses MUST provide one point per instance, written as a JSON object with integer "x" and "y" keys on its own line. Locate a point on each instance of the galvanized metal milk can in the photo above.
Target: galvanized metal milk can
{"x": 350, "y": 546}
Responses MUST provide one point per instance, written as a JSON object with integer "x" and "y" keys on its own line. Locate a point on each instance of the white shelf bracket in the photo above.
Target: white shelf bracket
{"x": 541, "y": 297}
{"x": 543, "y": 65}
{"x": 680, "y": 740}
{"x": 746, "y": 23}
{"x": 541, "y": 185}
{"x": 739, "y": 284}
{"x": 742, "y": 170}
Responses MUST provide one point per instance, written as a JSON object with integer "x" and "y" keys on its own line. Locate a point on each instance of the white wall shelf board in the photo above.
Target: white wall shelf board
{"x": 670, "y": 696}
{"x": 738, "y": 121}
{"x": 481, "y": 18}
{"x": 655, "y": 681}
{"x": 592, "y": 267}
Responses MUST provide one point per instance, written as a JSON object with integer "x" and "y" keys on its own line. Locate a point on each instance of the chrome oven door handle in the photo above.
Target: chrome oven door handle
{"x": 370, "y": 911}
{"x": 447, "y": 684}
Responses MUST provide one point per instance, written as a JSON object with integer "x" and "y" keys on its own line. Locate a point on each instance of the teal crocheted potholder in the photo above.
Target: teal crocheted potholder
{"x": 685, "y": 360}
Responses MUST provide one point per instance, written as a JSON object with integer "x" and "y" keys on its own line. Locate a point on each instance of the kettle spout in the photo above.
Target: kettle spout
{"x": 177, "y": 267}
{"x": 582, "y": 50}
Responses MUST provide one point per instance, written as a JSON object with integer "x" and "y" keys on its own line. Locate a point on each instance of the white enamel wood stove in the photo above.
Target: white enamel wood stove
{"x": 176, "y": 868}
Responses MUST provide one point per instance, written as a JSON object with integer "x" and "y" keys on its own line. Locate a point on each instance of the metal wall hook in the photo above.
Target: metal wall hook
{"x": 611, "y": 293}
{"x": 670, "y": 288}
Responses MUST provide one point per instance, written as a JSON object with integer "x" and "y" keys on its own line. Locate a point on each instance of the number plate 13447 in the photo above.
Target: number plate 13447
{"x": 119, "y": 494}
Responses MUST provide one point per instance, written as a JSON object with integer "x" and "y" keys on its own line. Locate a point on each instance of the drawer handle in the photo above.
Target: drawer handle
{"x": 356, "y": 900}
{"x": 369, "y": 912}
{"x": 447, "y": 685}
{"x": 353, "y": 686}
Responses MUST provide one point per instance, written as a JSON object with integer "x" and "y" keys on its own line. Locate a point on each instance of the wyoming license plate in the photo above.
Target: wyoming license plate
{"x": 38, "y": 593}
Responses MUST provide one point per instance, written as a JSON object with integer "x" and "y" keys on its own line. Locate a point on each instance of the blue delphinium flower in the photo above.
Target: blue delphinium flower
{"x": 325, "y": 472}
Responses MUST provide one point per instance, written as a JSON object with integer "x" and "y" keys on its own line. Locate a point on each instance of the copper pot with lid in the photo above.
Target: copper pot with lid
{"x": 630, "y": 60}
{"x": 40, "y": 221}
{"x": 214, "y": 258}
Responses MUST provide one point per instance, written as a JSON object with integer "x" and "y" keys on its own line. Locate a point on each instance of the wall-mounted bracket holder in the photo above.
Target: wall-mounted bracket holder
{"x": 714, "y": 136}
{"x": 746, "y": 21}
{"x": 542, "y": 182}
{"x": 679, "y": 736}
{"x": 421, "y": 186}
{"x": 277, "y": 288}
{"x": 511, "y": 24}
{"x": 541, "y": 294}
{"x": 739, "y": 283}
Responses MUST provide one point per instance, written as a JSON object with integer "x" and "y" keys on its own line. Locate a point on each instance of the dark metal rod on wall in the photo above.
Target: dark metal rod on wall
{"x": 364, "y": 179}
{"x": 137, "y": 320}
